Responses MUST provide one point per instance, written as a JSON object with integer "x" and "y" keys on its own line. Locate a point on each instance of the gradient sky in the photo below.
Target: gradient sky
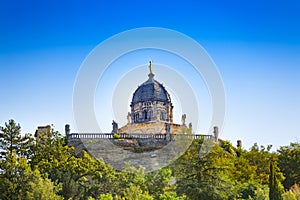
{"x": 255, "y": 45}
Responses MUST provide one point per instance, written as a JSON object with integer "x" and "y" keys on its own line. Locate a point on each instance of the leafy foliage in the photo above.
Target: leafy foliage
{"x": 45, "y": 167}
{"x": 292, "y": 194}
{"x": 11, "y": 140}
{"x": 203, "y": 178}
{"x": 289, "y": 163}
{"x": 18, "y": 181}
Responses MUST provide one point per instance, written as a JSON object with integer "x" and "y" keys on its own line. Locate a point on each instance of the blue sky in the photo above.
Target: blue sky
{"x": 256, "y": 46}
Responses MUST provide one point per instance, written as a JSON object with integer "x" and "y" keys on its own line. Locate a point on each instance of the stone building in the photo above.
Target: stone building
{"x": 42, "y": 134}
{"x": 151, "y": 110}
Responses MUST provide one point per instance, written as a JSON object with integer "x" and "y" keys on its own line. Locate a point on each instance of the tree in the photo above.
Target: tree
{"x": 80, "y": 177}
{"x": 171, "y": 196}
{"x": 134, "y": 192}
{"x": 276, "y": 189}
{"x": 260, "y": 157}
{"x": 159, "y": 182}
{"x": 203, "y": 177}
{"x": 251, "y": 190}
{"x": 18, "y": 181}
{"x": 105, "y": 197}
{"x": 292, "y": 194}
{"x": 42, "y": 188}
{"x": 11, "y": 140}
{"x": 289, "y": 163}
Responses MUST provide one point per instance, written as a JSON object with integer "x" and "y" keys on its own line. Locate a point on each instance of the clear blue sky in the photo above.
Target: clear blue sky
{"x": 256, "y": 46}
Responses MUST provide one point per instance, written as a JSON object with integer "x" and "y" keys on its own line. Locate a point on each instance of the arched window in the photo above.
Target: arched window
{"x": 136, "y": 117}
{"x": 162, "y": 116}
{"x": 150, "y": 114}
{"x": 145, "y": 114}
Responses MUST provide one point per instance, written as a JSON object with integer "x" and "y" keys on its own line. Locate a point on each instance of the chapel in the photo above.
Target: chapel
{"x": 151, "y": 110}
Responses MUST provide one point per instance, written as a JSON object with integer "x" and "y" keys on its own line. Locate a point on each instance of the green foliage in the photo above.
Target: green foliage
{"x": 171, "y": 196}
{"x": 227, "y": 146}
{"x": 292, "y": 194}
{"x": 205, "y": 177}
{"x": 159, "y": 182}
{"x": 276, "y": 188}
{"x": 18, "y": 181}
{"x": 260, "y": 157}
{"x": 14, "y": 177}
{"x": 80, "y": 177}
{"x": 116, "y": 136}
{"x": 42, "y": 188}
{"x": 243, "y": 171}
{"x": 130, "y": 176}
{"x": 252, "y": 190}
{"x": 289, "y": 195}
{"x": 134, "y": 192}
{"x": 49, "y": 169}
{"x": 289, "y": 163}
{"x": 11, "y": 140}
{"x": 105, "y": 197}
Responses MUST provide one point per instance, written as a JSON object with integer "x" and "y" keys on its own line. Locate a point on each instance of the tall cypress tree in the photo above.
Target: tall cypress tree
{"x": 274, "y": 184}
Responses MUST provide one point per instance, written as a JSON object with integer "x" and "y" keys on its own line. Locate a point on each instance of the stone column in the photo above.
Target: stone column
{"x": 216, "y": 133}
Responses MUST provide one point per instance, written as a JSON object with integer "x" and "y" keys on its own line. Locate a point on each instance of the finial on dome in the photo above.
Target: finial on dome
{"x": 151, "y": 75}
{"x": 150, "y": 67}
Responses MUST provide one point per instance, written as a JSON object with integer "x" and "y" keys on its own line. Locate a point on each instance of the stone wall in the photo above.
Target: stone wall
{"x": 150, "y": 127}
{"x": 117, "y": 155}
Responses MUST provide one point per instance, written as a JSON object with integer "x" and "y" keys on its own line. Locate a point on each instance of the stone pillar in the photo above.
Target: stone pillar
{"x": 167, "y": 127}
{"x": 129, "y": 118}
{"x": 239, "y": 144}
{"x": 183, "y": 118}
{"x": 67, "y": 129}
{"x": 216, "y": 133}
{"x": 171, "y": 112}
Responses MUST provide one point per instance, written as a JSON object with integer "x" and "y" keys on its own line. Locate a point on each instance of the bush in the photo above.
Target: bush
{"x": 117, "y": 136}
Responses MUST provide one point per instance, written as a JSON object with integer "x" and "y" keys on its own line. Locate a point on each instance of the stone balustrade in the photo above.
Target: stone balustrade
{"x": 159, "y": 136}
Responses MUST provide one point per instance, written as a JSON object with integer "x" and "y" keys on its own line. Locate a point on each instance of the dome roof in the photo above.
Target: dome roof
{"x": 151, "y": 90}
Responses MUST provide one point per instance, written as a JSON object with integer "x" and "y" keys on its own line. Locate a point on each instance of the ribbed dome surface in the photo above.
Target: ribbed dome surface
{"x": 151, "y": 90}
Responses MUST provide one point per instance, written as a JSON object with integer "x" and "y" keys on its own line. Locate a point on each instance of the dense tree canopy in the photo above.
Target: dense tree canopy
{"x": 289, "y": 163}
{"x": 44, "y": 167}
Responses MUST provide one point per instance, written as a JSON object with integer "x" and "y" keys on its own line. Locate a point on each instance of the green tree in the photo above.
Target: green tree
{"x": 252, "y": 190}
{"x": 171, "y": 196}
{"x": 159, "y": 182}
{"x": 18, "y": 181}
{"x": 260, "y": 157}
{"x": 289, "y": 163}
{"x": 105, "y": 197}
{"x": 80, "y": 177}
{"x": 42, "y": 188}
{"x": 276, "y": 189}
{"x": 134, "y": 192}
{"x": 292, "y": 194}
{"x": 12, "y": 140}
{"x": 203, "y": 177}
{"x": 14, "y": 177}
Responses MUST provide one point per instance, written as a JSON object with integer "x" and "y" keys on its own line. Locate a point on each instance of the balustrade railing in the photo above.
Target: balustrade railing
{"x": 160, "y": 136}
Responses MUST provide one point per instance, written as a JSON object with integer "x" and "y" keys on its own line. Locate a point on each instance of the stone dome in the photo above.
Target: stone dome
{"x": 151, "y": 103}
{"x": 151, "y": 90}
